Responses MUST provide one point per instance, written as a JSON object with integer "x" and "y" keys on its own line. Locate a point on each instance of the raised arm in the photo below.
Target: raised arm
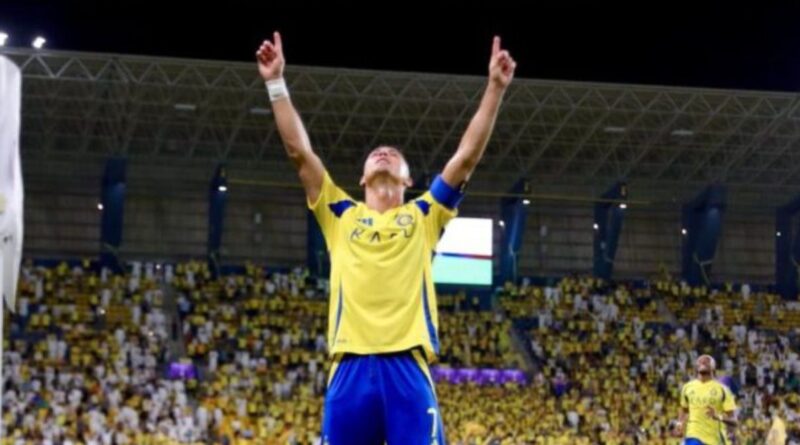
{"x": 473, "y": 143}
{"x": 290, "y": 127}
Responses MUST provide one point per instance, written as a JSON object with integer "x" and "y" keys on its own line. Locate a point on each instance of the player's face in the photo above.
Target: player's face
{"x": 705, "y": 365}
{"x": 386, "y": 160}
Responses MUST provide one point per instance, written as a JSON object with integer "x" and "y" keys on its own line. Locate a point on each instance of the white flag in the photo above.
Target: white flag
{"x": 11, "y": 191}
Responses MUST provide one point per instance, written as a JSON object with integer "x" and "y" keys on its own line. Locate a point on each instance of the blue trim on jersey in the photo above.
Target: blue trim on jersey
{"x": 692, "y": 441}
{"x": 424, "y": 206}
{"x": 339, "y": 207}
{"x": 338, "y": 315}
{"x": 428, "y": 319}
{"x": 445, "y": 194}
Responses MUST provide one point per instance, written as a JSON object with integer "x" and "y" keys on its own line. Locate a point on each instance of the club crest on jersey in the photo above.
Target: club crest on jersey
{"x": 404, "y": 220}
{"x": 365, "y": 221}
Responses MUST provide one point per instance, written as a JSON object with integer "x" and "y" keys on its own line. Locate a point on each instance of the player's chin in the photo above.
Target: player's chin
{"x": 383, "y": 168}
{"x": 383, "y": 172}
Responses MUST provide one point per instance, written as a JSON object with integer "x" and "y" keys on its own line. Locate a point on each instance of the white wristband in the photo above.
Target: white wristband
{"x": 277, "y": 90}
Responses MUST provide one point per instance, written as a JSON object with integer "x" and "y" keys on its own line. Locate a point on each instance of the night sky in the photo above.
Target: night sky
{"x": 702, "y": 44}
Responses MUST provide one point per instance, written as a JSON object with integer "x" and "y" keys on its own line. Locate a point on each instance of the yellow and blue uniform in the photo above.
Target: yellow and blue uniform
{"x": 697, "y": 396}
{"x": 382, "y": 322}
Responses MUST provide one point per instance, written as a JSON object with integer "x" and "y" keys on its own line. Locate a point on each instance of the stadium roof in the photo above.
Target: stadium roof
{"x": 567, "y": 137}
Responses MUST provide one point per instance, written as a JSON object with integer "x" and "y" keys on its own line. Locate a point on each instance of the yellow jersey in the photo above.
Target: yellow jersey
{"x": 777, "y": 432}
{"x": 382, "y": 297}
{"x": 697, "y": 396}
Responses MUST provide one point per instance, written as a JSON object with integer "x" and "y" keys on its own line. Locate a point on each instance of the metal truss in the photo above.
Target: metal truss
{"x": 560, "y": 135}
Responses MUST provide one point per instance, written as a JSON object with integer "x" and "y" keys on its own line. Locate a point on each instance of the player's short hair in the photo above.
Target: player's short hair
{"x": 713, "y": 362}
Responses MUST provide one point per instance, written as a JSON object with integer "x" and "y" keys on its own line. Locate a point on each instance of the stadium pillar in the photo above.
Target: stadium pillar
{"x": 113, "y": 205}
{"x": 787, "y": 249}
{"x": 514, "y": 213}
{"x": 701, "y": 227}
{"x": 608, "y": 218}
{"x": 217, "y": 197}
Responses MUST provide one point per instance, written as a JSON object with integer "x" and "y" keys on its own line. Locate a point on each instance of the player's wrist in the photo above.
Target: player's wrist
{"x": 496, "y": 86}
{"x": 276, "y": 75}
{"x": 277, "y": 89}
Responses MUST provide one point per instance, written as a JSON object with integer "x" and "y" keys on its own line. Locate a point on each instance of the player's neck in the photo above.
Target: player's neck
{"x": 704, "y": 378}
{"x": 383, "y": 194}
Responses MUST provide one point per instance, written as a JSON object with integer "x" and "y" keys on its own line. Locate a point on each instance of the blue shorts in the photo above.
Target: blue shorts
{"x": 381, "y": 399}
{"x": 690, "y": 441}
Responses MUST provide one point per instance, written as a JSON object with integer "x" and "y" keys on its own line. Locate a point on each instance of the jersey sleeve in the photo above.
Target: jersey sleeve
{"x": 329, "y": 208}
{"x": 438, "y": 205}
{"x": 684, "y": 398}
{"x": 729, "y": 402}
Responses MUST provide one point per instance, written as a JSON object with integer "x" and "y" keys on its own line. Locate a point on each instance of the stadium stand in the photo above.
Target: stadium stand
{"x": 89, "y": 353}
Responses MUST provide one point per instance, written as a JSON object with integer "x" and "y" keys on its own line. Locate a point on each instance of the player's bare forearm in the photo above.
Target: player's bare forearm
{"x": 730, "y": 419}
{"x": 680, "y": 426}
{"x": 473, "y": 144}
{"x": 476, "y": 138}
{"x": 290, "y": 127}
{"x": 292, "y": 131}
{"x": 298, "y": 146}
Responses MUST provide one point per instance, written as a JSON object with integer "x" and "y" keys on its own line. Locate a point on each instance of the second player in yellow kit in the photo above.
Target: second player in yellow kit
{"x": 708, "y": 407}
{"x": 697, "y": 396}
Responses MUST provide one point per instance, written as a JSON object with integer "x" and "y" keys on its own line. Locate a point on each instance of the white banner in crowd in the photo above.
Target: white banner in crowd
{"x": 11, "y": 191}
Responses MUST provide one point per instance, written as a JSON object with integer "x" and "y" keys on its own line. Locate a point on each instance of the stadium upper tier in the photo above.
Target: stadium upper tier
{"x": 566, "y": 137}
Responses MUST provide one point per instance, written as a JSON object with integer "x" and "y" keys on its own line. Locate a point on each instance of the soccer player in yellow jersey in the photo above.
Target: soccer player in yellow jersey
{"x": 707, "y": 407}
{"x": 382, "y": 321}
{"x": 777, "y": 431}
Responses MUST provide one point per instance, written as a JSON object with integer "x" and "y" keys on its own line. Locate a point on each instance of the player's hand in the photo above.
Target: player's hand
{"x": 678, "y": 430}
{"x": 270, "y": 58}
{"x": 711, "y": 412}
{"x": 501, "y": 65}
